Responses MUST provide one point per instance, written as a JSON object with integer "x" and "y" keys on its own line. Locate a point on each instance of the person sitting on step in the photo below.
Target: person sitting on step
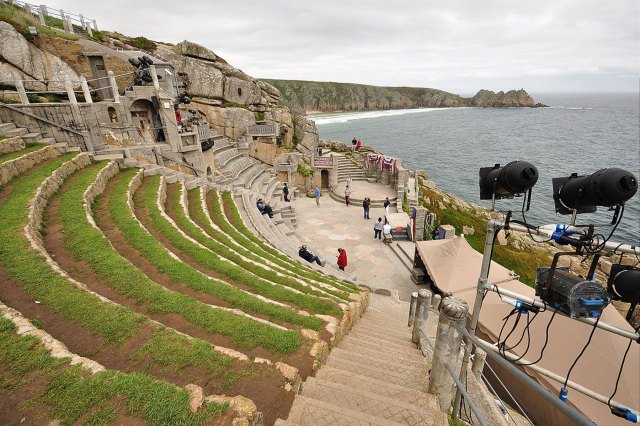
{"x": 308, "y": 256}
{"x": 264, "y": 208}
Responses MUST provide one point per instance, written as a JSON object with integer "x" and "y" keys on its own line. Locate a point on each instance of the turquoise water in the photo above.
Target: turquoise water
{"x": 579, "y": 133}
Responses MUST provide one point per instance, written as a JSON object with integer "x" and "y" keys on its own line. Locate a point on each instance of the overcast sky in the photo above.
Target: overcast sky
{"x": 460, "y": 46}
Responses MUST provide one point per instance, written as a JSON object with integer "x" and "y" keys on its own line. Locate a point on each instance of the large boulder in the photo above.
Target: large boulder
{"x": 21, "y": 59}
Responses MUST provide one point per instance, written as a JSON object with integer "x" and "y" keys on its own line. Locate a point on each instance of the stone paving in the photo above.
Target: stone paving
{"x": 333, "y": 225}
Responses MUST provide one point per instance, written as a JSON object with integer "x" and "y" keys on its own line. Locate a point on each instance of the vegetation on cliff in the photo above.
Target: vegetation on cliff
{"x": 329, "y": 96}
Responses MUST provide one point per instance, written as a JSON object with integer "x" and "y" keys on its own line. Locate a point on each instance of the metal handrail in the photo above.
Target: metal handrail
{"x": 575, "y": 416}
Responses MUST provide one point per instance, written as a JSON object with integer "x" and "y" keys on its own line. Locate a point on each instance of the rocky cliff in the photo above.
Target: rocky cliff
{"x": 327, "y": 97}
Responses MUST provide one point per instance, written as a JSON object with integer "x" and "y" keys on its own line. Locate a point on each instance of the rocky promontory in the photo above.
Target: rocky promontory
{"x": 330, "y": 97}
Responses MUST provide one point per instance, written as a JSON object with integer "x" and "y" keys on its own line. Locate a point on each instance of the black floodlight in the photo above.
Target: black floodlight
{"x": 147, "y": 60}
{"x": 583, "y": 194}
{"x": 136, "y": 63}
{"x": 624, "y": 284}
{"x": 515, "y": 178}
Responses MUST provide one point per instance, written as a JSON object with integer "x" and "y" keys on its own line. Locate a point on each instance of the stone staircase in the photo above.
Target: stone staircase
{"x": 375, "y": 376}
{"x": 11, "y": 130}
{"x": 347, "y": 167}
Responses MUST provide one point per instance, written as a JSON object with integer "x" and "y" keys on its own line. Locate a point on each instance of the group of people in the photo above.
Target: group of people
{"x": 357, "y": 144}
{"x": 310, "y": 257}
{"x": 381, "y": 228}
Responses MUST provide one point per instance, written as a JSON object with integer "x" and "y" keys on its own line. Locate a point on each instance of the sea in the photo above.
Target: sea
{"x": 577, "y": 133}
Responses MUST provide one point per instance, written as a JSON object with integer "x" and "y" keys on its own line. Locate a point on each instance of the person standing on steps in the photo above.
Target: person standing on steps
{"x": 358, "y": 145}
{"x": 386, "y": 205}
{"x": 354, "y": 141}
{"x": 316, "y": 193}
{"x": 285, "y": 192}
{"x": 366, "y": 204}
{"x": 342, "y": 258}
{"x": 378, "y": 229}
{"x": 347, "y": 194}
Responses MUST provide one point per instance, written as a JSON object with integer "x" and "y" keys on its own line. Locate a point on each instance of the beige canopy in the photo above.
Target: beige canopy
{"x": 455, "y": 267}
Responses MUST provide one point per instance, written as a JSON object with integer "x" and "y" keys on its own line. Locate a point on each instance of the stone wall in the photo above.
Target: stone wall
{"x": 17, "y": 166}
{"x": 11, "y": 145}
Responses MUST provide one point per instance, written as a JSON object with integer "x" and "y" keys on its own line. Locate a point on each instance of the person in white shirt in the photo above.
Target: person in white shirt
{"x": 386, "y": 229}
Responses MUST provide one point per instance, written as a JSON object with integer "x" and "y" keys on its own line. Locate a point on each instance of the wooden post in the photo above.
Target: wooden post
{"x": 95, "y": 25}
{"x": 447, "y": 349}
{"x": 87, "y": 27}
{"x": 24, "y": 100}
{"x": 43, "y": 8}
{"x": 69, "y": 24}
{"x": 114, "y": 87}
{"x": 81, "y": 20}
{"x": 412, "y": 308}
{"x": 41, "y": 16}
{"x": 85, "y": 90}
{"x": 422, "y": 311}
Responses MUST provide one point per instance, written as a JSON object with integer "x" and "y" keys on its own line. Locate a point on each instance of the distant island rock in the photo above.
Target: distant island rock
{"x": 329, "y": 97}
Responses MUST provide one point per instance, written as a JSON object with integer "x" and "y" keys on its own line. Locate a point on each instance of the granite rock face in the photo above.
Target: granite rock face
{"x": 326, "y": 97}
{"x": 213, "y": 78}
{"x": 21, "y": 59}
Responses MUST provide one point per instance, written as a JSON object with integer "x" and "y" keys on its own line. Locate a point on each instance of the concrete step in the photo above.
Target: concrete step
{"x": 48, "y": 141}
{"x": 351, "y": 342}
{"x": 382, "y": 374}
{"x": 378, "y": 341}
{"x": 15, "y": 132}
{"x": 398, "y": 367}
{"x": 402, "y": 256}
{"x": 313, "y": 412}
{"x": 369, "y": 402}
{"x": 414, "y": 357}
{"x": 112, "y": 156}
{"x": 395, "y": 328}
{"x": 32, "y": 137}
{"x": 5, "y": 127}
{"x": 400, "y": 335}
{"x": 359, "y": 381}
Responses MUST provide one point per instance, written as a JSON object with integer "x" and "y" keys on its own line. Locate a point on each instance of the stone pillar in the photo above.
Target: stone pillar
{"x": 87, "y": 27}
{"x": 70, "y": 93}
{"x": 85, "y": 90}
{"x": 95, "y": 26}
{"x": 435, "y": 302}
{"x": 69, "y": 24}
{"x": 412, "y": 308}
{"x": 421, "y": 217}
{"x": 81, "y": 20}
{"x": 43, "y": 9}
{"x": 41, "y": 16}
{"x": 154, "y": 77}
{"x": 27, "y": 8}
{"x": 422, "y": 311}
{"x": 479, "y": 359}
{"x": 114, "y": 87}
{"x": 447, "y": 349}
{"x": 385, "y": 176}
{"x": 24, "y": 99}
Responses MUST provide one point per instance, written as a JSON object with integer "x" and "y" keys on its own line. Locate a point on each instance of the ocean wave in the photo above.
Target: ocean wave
{"x": 346, "y": 117}
{"x": 566, "y": 107}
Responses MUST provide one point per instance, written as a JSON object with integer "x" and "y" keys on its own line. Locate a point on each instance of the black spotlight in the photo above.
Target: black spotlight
{"x": 606, "y": 188}
{"x": 136, "y": 63}
{"x": 517, "y": 177}
{"x": 624, "y": 284}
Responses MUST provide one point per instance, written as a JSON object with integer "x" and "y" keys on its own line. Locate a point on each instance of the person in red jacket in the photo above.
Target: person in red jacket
{"x": 342, "y": 258}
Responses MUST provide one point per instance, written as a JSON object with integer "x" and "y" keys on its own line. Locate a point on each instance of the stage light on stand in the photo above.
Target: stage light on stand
{"x": 624, "y": 285}
{"x": 584, "y": 194}
{"x": 572, "y": 295}
{"x": 513, "y": 179}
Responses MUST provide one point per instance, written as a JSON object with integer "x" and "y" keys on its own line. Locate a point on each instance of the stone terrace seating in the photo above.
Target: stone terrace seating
{"x": 226, "y": 156}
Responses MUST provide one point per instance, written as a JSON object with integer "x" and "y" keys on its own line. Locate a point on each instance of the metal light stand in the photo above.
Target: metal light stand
{"x": 493, "y": 227}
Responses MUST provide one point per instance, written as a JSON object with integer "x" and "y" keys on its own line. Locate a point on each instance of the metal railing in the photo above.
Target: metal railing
{"x": 69, "y": 20}
{"x": 418, "y": 314}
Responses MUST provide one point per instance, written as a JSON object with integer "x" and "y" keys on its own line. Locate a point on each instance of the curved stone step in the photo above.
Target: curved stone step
{"x": 399, "y": 367}
{"x": 382, "y": 374}
{"x": 312, "y": 412}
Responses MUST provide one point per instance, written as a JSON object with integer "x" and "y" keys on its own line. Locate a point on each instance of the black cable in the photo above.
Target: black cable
{"x": 624, "y": 358}
{"x": 595, "y": 325}
{"x": 529, "y": 227}
{"x": 528, "y": 330}
{"x": 546, "y": 341}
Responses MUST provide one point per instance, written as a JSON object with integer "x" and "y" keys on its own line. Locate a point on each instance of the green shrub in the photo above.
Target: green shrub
{"x": 143, "y": 43}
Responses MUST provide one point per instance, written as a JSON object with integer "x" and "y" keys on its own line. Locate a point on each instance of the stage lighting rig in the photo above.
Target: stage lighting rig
{"x": 624, "y": 285}
{"x": 513, "y": 179}
{"x": 584, "y": 194}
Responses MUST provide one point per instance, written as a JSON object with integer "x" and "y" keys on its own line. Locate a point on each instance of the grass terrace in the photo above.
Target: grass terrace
{"x": 181, "y": 273}
{"x": 178, "y": 215}
{"x": 38, "y": 386}
{"x": 231, "y": 222}
{"x": 147, "y": 196}
{"x": 89, "y": 245}
{"x": 108, "y": 333}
